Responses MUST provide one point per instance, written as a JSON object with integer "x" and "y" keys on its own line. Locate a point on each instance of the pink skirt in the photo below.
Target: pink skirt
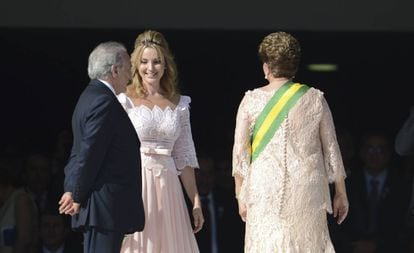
{"x": 167, "y": 221}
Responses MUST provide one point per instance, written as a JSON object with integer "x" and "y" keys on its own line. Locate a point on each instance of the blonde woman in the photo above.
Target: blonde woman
{"x": 161, "y": 118}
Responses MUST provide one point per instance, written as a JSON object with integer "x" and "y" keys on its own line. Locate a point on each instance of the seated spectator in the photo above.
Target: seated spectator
{"x": 55, "y": 234}
{"x": 377, "y": 198}
{"x": 18, "y": 213}
{"x": 36, "y": 179}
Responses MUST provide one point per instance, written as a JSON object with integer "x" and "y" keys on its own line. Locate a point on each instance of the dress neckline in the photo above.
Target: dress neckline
{"x": 166, "y": 108}
{"x": 156, "y": 107}
{"x": 269, "y": 92}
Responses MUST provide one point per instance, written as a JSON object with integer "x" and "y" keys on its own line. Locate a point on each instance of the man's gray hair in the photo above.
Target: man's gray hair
{"x": 103, "y": 57}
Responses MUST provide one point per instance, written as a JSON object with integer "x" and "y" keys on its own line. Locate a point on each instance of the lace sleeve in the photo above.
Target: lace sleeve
{"x": 332, "y": 155}
{"x": 183, "y": 151}
{"x": 242, "y": 135}
{"x": 125, "y": 101}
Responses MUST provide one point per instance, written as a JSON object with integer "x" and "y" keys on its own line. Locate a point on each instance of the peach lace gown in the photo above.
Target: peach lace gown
{"x": 166, "y": 148}
{"x": 286, "y": 189}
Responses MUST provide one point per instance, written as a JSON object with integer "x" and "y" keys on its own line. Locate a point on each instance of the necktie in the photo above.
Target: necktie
{"x": 373, "y": 205}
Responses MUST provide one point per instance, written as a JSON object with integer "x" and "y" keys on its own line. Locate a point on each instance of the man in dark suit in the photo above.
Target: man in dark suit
{"x": 103, "y": 175}
{"x": 377, "y": 197}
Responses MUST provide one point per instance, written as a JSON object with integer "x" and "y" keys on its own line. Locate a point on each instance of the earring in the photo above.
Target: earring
{"x": 265, "y": 77}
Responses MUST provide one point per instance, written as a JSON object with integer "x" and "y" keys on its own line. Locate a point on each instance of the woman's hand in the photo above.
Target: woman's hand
{"x": 242, "y": 210}
{"x": 198, "y": 218}
{"x": 341, "y": 207}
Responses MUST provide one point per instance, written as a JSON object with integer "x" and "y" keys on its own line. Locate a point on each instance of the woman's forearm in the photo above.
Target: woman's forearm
{"x": 188, "y": 179}
{"x": 238, "y": 181}
{"x": 340, "y": 186}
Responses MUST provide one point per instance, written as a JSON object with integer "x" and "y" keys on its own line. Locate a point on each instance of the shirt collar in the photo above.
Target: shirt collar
{"x": 108, "y": 85}
{"x": 380, "y": 178}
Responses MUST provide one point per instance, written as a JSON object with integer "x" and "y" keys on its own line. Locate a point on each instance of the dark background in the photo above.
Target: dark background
{"x": 44, "y": 47}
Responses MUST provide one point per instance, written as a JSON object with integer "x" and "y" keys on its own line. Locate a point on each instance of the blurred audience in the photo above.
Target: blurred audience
{"x": 18, "y": 212}
{"x": 378, "y": 198}
{"x": 36, "y": 178}
{"x": 346, "y": 141}
{"x": 223, "y": 229}
{"x": 55, "y": 234}
{"x": 61, "y": 152}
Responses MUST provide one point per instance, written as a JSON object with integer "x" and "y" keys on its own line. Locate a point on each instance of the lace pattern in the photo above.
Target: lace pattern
{"x": 167, "y": 129}
{"x": 286, "y": 189}
{"x": 184, "y": 153}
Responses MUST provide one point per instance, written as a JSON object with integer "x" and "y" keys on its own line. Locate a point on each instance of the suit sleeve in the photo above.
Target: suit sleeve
{"x": 97, "y": 133}
{"x": 404, "y": 142}
{"x": 69, "y": 183}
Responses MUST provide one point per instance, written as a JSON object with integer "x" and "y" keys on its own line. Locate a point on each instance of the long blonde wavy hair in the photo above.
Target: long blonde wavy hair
{"x": 155, "y": 40}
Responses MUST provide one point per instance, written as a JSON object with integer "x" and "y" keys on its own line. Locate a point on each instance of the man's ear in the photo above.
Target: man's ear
{"x": 114, "y": 69}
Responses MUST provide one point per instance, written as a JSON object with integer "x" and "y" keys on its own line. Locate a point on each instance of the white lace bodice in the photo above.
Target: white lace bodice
{"x": 164, "y": 131}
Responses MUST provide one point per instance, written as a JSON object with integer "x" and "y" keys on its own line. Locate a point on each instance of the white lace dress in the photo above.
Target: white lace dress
{"x": 166, "y": 148}
{"x": 286, "y": 188}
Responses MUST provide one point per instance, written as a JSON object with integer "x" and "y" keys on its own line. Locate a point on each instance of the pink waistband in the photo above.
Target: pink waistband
{"x": 156, "y": 151}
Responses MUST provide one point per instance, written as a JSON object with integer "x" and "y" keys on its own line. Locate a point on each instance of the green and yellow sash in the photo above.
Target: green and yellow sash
{"x": 273, "y": 115}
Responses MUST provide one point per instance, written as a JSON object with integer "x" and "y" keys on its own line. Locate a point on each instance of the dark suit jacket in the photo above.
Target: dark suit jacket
{"x": 104, "y": 169}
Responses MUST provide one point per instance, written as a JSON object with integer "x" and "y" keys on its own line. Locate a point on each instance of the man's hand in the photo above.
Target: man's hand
{"x": 75, "y": 209}
{"x": 66, "y": 203}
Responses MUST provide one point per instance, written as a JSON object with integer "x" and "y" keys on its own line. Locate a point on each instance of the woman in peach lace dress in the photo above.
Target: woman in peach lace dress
{"x": 285, "y": 158}
{"x": 161, "y": 118}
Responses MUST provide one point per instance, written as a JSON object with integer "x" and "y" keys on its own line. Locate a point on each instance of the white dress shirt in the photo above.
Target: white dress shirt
{"x": 108, "y": 85}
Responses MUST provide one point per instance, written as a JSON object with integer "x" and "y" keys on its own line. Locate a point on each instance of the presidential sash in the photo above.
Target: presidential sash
{"x": 273, "y": 114}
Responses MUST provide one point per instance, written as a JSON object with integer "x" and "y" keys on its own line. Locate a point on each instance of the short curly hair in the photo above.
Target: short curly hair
{"x": 281, "y": 51}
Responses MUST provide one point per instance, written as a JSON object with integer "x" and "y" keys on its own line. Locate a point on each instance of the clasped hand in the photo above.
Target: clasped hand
{"x": 67, "y": 206}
